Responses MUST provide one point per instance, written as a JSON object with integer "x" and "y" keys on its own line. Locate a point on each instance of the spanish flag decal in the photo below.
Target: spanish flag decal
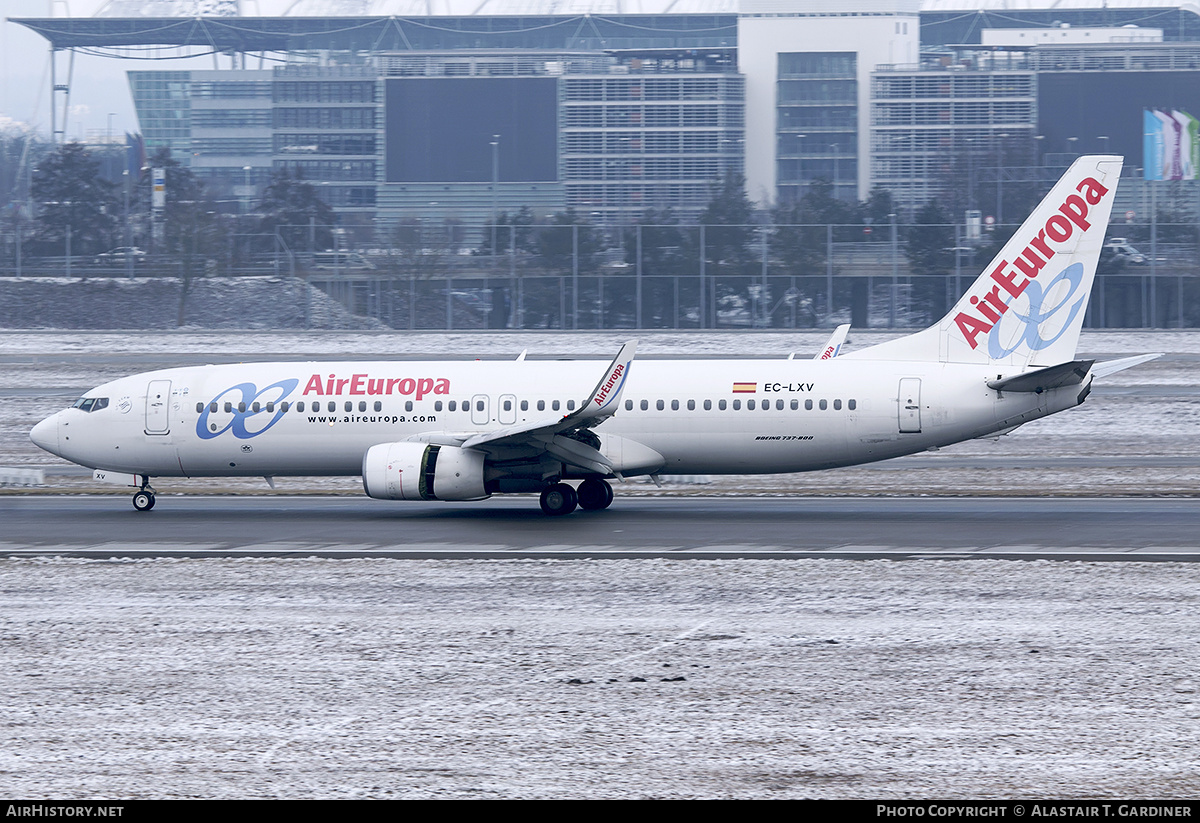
{"x": 745, "y": 388}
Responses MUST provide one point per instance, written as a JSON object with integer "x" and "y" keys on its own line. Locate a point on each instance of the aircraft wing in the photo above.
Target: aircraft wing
{"x": 600, "y": 404}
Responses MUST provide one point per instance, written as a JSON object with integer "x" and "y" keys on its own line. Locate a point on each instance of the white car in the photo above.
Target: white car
{"x": 120, "y": 255}
{"x": 1120, "y": 247}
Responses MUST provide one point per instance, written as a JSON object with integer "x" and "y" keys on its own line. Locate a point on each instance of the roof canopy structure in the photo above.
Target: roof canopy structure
{"x": 257, "y": 34}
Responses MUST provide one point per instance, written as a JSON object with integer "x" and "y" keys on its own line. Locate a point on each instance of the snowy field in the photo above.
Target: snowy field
{"x": 599, "y": 679}
{"x": 306, "y": 678}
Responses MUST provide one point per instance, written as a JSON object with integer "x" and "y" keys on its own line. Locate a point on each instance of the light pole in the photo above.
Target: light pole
{"x": 128, "y": 244}
{"x": 999, "y": 179}
{"x": 245, "y": 189}
{"x": 495, "y": 193}
{"x": 800, "y": 163}
{"x": 834, "y": 148}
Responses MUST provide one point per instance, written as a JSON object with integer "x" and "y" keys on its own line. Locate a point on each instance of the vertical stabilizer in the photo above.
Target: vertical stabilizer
{"x": 1028, "y": 305}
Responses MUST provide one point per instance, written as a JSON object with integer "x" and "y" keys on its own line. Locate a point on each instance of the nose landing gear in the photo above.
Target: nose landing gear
{"x": 143, "y": 498}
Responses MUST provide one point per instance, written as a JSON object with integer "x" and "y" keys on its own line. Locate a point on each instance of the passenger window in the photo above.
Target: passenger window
{"x": 691, "y": 405}
{"x": 628, "y": 405}
{"x": 808, "y": 405}
{"x": 228, "y": 407}
{"x": 349, "y": 405}
{"x": 507, "y": 405}
{"x": 242, "y": 408}
{"x": 645, "y": 405}
{"x": 284, "y": 406}
{"x": 332, "y": 406}
{"x": 721, "y": 405}
{"x": 437, "y": 405}
{"x": 362, "y": 406}
{"x": 570, "y": 405}
{"x": 300, "y": 406}
{"x": 212, "y": 407}
{"x": 256, "y": 408}
{"x": 708, "y": 405}
{"x": 824, "y": 405}
{"x": 524, "y": 405}
{"x": 737, "y": 404}
{"x": 478, "y": 405}
{"x": 778, "y": 405}
{"x": 837, "y": 405}
{"x": 674, "y": 405}
{"x": 199, "y": 408}
{"x": 541, "y": 405}
{"x": 660, "y": 405}
{"x": 408, "y": 405}
{"x": 750, "y": 405}
{"x": 554, "y": 405}
{"x": 851, "y": 405}
{"x": 452, "y": 405}
{"x": 378, "y": 405}
{"x": 795, "y": 405}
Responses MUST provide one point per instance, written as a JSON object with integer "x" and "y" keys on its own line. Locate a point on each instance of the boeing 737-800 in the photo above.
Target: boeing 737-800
{"x": 1003, "y": 356}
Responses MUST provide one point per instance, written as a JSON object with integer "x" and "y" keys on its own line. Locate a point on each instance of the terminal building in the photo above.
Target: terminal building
{"x": 397, "y": 114}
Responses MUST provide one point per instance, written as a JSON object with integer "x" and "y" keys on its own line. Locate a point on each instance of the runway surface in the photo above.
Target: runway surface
{"x": 679, "y": 527}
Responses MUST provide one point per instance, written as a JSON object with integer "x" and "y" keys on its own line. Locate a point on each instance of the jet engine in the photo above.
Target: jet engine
{"x": 421, "y": 471}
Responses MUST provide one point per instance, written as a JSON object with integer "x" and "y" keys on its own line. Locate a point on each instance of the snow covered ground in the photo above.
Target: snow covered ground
{"x": 599, "y": 679}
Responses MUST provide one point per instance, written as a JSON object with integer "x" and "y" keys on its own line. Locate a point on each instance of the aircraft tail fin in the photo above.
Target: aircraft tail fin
{"x": 1027, "y": 307}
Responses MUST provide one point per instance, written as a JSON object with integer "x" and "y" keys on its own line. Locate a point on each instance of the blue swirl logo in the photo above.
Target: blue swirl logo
{"x": 1030, "y": 334}
{"x": 246, "y": 422}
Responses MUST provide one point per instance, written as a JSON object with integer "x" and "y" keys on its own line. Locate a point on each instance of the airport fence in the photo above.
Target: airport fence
{"x": 654, "y": 277}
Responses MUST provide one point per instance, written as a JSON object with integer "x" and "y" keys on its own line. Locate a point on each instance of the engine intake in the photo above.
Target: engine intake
{"x": 421, "y": 471}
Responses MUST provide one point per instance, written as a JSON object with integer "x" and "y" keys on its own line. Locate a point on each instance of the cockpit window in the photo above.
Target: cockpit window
{"x": 91, "y": 404}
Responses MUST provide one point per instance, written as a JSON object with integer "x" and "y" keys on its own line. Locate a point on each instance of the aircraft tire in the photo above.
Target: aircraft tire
{"x": 559, "y": 499}
{"x": 143, "y": 501}
{"x": 594, "y": 494}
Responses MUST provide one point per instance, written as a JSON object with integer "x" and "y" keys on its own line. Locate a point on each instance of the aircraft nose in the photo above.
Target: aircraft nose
{"x": 45, "y": 434}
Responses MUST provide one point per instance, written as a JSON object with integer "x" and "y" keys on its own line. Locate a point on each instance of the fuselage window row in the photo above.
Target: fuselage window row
{"x": 555, "y": 405}
{"x": 751, "y": 405}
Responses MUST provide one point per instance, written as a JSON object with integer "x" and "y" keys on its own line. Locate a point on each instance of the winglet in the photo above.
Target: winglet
{"x": 606, "y": 397}
{"x": 835, "y": 343}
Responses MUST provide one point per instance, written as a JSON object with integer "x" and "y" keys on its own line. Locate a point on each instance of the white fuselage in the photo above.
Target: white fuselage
{"x": 701, "y": 416}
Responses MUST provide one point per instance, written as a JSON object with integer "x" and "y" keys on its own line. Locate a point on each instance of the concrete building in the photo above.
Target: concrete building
{"x": 610, "y": 113}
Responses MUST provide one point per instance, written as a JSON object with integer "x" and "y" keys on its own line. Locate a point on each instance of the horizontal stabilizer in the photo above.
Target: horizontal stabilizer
{"x": 1113, "y": 366}
{"x": 1052, "y": 377}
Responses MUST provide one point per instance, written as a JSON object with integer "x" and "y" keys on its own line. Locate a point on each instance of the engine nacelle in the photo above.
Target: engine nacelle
{"x": 421, "y": 471}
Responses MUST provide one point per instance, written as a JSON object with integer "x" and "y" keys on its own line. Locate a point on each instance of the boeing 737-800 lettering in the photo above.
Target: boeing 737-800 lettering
{"x": 1002, "y": 356}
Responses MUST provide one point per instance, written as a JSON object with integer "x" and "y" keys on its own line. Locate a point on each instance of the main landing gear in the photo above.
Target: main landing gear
{"x": 143, "y": 498}
{"x": 593, "y": 494}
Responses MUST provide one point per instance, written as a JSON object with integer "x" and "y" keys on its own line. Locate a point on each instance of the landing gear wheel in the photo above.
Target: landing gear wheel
{"x": 143, "y": 501}
{"x": 595, "y": 494}
{"x": 559, "y": 499}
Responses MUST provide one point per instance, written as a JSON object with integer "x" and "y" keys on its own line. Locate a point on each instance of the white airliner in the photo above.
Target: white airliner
{"x": 1004, "y": 355}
